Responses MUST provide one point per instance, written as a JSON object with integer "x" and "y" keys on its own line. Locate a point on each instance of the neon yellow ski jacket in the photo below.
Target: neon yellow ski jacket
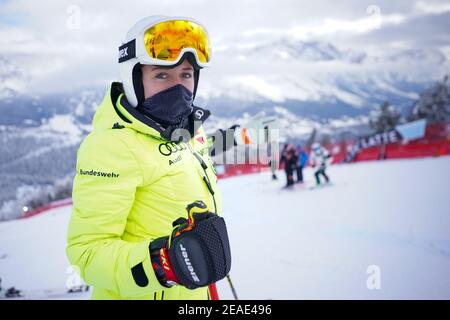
{"x": 129, "y": 187}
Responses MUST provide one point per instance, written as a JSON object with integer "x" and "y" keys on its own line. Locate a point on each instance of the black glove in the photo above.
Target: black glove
{"x": 223, "y": 135}
{"x": 196, "y": 254}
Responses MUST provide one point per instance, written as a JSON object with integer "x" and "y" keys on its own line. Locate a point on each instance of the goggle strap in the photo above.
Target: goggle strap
{"x": 127, "y": 51}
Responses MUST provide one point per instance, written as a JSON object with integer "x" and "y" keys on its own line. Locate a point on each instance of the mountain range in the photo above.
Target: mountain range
{"x": 306, "y": 84}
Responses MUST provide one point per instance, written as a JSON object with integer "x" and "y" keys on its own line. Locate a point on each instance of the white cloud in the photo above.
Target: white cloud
{"x": 332, "y": 26}
{"x": 422, "y": 7}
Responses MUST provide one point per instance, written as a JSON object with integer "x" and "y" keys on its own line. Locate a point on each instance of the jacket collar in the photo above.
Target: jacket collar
{"x": 116, "y": 111}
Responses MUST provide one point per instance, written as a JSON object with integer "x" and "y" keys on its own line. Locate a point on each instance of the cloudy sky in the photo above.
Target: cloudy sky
{"x": 56, "y": 45}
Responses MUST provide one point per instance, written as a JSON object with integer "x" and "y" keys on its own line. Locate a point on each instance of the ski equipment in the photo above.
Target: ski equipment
{"x": 196, "y": 254}
{"x": 161, "y": 41}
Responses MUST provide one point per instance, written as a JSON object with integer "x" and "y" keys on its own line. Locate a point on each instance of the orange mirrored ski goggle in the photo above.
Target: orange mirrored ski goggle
{"x": 165, "y": 43}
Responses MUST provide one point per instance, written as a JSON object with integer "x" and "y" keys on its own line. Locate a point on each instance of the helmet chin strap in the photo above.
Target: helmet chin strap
{"x": 139, "y": 86}
{"x": 137, "y": 83}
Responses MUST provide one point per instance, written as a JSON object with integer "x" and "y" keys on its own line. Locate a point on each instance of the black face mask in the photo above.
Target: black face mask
{"x": 170, "y": 107}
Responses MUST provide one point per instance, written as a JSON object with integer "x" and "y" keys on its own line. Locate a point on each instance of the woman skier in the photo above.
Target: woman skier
{"x": 146, "y": 220}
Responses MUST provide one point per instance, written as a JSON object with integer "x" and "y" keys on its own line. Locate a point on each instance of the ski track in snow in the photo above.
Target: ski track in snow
{"x": 294, "y": 244}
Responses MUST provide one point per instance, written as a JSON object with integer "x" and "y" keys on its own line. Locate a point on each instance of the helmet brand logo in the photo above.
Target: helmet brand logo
{"x": 127, "y": 51}
{"x": 123, "y": 52}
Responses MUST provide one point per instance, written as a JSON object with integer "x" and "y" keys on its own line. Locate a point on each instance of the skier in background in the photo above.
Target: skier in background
{"x": 273, "y": 163}
{"x": 290, "y": 163}
{"x": 320, "y": 158}
{"x": 302, "y": 160}
{"x": 283, "y": 154}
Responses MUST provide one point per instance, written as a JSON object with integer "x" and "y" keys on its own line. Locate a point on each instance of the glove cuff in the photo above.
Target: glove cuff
{"x": 161, "y": 263}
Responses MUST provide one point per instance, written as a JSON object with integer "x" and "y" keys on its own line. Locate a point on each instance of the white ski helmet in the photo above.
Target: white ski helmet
{"x": 315, "y": 147}
{"x": 146, "y": 43}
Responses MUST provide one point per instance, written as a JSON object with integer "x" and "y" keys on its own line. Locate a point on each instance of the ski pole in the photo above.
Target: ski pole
{"x": 213, "y": 291}
{"x": 232, "y": 287}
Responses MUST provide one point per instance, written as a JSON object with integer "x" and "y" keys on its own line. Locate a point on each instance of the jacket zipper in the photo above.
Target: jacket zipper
{"x": 205, "y": 177}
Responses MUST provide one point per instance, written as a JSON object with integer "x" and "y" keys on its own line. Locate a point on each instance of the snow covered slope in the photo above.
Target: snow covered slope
{"x": 32, "y": 255}
{"x": 392, "y": 217}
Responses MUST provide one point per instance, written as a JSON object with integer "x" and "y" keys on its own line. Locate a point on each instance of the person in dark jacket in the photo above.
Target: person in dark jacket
{"x": 290, "y": 163}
